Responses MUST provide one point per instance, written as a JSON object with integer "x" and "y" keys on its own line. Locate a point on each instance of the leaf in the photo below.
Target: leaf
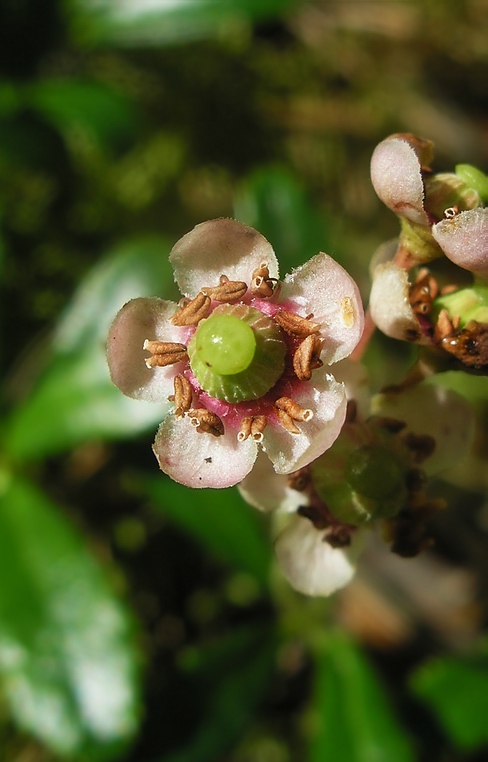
{"x": 273, "y": 201}
{"x": 162, "y": 22}
{"x": 105, "y": 113}
{"x": 232, "y": 675}
{"x": 455, "y": 689}
{"x": 354, "y": 720}
{"x": 74, "y": 400}
{"x": 69, "y": 669}
{"x": 220, "y": 520}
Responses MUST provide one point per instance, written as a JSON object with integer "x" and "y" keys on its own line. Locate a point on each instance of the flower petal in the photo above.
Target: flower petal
{"x": 220, "y": 247}
{"x": 266, "y": 490}
{"x": 464, "y": 239}
{"x": 200, "y": 459}
{"x": 323, "y": 288}
{"x": 390, "y": 306}
{"x": 140, "y": 319}
{"x": 309, "y": 563}
{"x": 327, "y": 399}
{"x": 397, "y": 179}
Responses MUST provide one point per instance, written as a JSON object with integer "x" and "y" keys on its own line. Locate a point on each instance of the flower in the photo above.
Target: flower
{"x": 373, "y": 475}
{"x": 243, "y": 357}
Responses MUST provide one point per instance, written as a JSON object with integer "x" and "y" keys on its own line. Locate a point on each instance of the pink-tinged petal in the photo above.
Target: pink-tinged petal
{"x": 326, "y": 398}
{"x": 464, "y": 240}
{"x": 200, "y": 459}
{"x": 432, "y": 410}
{"x": 309, "y": 563}
{"x": 397, "y": 179}
{"x": 266, "y": 490}
{"x": 323, "y": 288}
{"x": 220, "y": 247}
{"x": 389, "y": 304}
{"x": 138, "y": 320}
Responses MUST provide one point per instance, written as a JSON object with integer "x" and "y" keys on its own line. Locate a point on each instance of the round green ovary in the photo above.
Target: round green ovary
{"x": 373, "y": 472}
{"x": 225, "y": 344}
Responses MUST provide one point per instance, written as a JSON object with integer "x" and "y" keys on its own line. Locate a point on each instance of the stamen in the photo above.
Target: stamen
{"x": 295, "y": 325}
{"x": 300, "y": 480}
{"x": 164, "y": 353}
{"x": 192, "y": 312}
{"x": 287, "y": 411}
{"x": 206, "y": 422}
{"x": 227, "y": 292}
{"x": 451, "y": 212}
{"x": 252, "y": 425}
{"x": 420, "y": 445}
{"x": 183, "y": 395}
{"x": 261, "y": 284}
{"x": 307, "y": 357}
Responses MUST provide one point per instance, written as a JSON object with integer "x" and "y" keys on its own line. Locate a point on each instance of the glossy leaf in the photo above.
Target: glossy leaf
{"x": 68, "y": 665}
{"x": 220, "y": 520}
{"x": 353, "y": 719}
{"x": 455, "y": 689}
{"x": 163, "y": 22}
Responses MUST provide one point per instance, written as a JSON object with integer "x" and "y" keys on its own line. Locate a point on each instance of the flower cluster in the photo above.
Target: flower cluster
{"x": 243, "y": 357}
{"x": 431, "y": 286}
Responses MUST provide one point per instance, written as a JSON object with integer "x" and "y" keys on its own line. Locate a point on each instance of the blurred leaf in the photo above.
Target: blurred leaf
{"x": 273, "y": 201}
{"x": 220, "y": 520}
{"x": 235, "y": 673}
{"x": 69, "y": 668}
{"x": 163, "y": 22}
{"x": 69, "y": 103}
{"x": 354, "y": 720}
{"x": 456, "y": 691}
{"x": 74, "y": 399}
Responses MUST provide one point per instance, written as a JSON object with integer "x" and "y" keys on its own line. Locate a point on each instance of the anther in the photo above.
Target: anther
{"x": 451, "y": 212}
{"x": 206, "y": 422}
{"x": 164, "y": 353}
{"x": 182, "y": 396}
{"x": 261, "y": 284}
{"x": 227, "y": 291}
{"x": 252, "y": 426}
{"x": 288, "y": 411}
{"x": 193, "y": 311}
{"x": 307, "y": 357}
{"x": 296, "y": 325}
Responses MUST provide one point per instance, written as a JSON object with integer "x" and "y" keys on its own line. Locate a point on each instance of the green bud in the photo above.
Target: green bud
{"x": 475, "y": 179}
{"x": 446, "y": 190}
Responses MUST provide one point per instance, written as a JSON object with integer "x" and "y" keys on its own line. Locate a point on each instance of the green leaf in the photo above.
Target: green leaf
{"x": 69, "y": 668}
{"x": 220, "y": 520}
{"x": 233, "y": 675}
{"x": 455, "y": 689}
{"x": 74, "y": 400}
{"x": 273, "y": 201}
{"x": 69, "y": 104}
{"x": 163, "y": 22}
{"x": 353, "y": 719}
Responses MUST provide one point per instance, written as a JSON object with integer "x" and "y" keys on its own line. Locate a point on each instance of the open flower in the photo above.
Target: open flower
{"x": 243, "y": 357}
{"x": 373, "y": 475}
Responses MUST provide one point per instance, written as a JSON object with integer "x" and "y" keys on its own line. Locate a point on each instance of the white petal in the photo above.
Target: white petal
{"x": 323, "y": 288}
{"x": 220, "y": 247}
{"x": 390, "y": 306}
{"x": 327, "y": 400}
{"x": 428, "y": 409}
{"x": 397, "y": 179}
{"x": 355, "y": 378}
{"x": 311, "y": 565}
{"x": 266, "y": 490}
{"x": 202, "y": 460}
{"x": 140, "y": 319}
{"x": 464, "y": 239}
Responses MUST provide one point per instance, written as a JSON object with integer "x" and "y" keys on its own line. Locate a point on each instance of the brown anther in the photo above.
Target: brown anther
{"x": 300, "y": 480}
{"x": 470, "y": 345}
{"x": 227, "y": 291}
{"x": 288, "y": 411}
{"x": 444, "y": 326}
{"x": 183, "y": 395}
{"x": 193, "y": 311}
{"x": 420, "y": 445}
{"x": 261, "y": 284}
{"x": 338, "y": 536}
{"x": 252, "y": 426}
{"x": 206, "y": 422}
{"x": 423, "y": 292}
{"x": 451, "y": 212}
{"x": 164, "y": 353}
{"x": 307, "y": 357}
{"x": 393, "y": 425}
{"x": 295, "y": 325}
{"x": 314, "y": 515}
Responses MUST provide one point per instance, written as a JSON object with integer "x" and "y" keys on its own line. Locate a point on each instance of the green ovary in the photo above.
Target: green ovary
{"x": 237, "y": 353}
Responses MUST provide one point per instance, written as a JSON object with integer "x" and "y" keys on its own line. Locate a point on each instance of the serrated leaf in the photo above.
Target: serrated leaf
{"x": 68, "y": 665}
{"x": 353, "y": 719}
{"x": 220, "y": 520}
{"x": 456, "y": 690}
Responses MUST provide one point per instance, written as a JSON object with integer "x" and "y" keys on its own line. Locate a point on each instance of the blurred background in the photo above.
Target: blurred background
{"x": 140, "y": 621}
